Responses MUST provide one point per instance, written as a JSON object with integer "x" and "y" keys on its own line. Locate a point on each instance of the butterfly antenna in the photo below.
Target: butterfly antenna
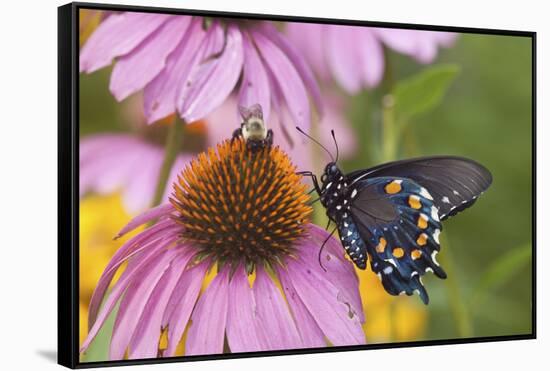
{"x": 336, "y": 145}
{"x": 314, "y": 140}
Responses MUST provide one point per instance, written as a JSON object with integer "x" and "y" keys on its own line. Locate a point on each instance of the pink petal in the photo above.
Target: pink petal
{"x": 145, "y": 340}
{"x": 151, "y": 214}
{"x": 146, "y": 240}
{"x": 310, "y": 333}
{"x": 212, "y": 83}
{"x": 276, "y": 324}
{"x": 181, "y": 304}
{"x": 134, "y": 301}
{"x": 308, "y": 37}
{"x": 336, "y": 269}
{"x": 98, "y": 172}
{"x": 297, "y": 60}
{"x": 242, "y": 316}
{"x": 327, "y": 305}
{"x": 255, "y": 84}
{"x": 141, "y": 187}
{"x": 371, "y": 55}
{"x": 134, "y": 70}
{"x": 129, "y": 274}
{"x": 342, "y": 56}
{"x": 159, "y": 97}
{"x": 287, "y": 79}
{"x": 117, "y": 35}
{"x": 206, "y": 334}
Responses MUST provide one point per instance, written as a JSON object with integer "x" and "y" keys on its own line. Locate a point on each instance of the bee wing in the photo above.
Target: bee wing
{"x": 253, "y": 111}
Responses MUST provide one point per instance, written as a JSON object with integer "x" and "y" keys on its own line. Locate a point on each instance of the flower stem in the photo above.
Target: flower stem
{"x": 389, "y": 134}
{"x": 173, "y": 140}
{"x": 461, "y": 315}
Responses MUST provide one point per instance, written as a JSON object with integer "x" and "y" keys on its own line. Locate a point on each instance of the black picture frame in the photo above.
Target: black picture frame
{"x": 68, "y": 176}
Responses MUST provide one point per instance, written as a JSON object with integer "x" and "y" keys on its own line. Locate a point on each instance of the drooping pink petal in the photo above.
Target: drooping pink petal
{"x": 297, "y": 59}
{"x": 118, "y": 35}
{"x": 212, "y": 83}
{"x": 145, "y": 340}
{"x": 120, "y": 287}
{"x": 255, "y": 83}
{"x": 142, "y": 242}
{"x": 151, "y": 214}
{"x": 206, "y": 333}
{"x": 134, "y": 301}
{"x": 331, "y": 311}
{"x": 342, "y": 56}
{"x": 310, "y": 332}
{"x": 242, "y": 317}
{"x": 137, "y": 68}
{"x": 159, "y": 96}
{"x": 335, "y": 269}
{"x": 277, "y": 327}
{"x": 287, "y": 78}
{"x": 371, "y": 56}
{"x": 181, "y": 304}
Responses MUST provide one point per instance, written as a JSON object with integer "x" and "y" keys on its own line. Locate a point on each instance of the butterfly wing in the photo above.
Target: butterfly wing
{"x": 400, "y": 226}
{"x": 454, "y": 182}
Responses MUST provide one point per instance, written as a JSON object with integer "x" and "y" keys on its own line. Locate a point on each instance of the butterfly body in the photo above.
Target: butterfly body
{"x": 391, "y": 214}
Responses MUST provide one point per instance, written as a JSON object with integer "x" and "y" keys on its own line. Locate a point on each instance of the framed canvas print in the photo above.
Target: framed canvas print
{"x": 237, "y": 185}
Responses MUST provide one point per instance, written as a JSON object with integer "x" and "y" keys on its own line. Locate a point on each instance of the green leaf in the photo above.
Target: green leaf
{"x": 502, "y": 270}
{"x": 424, "y": 91}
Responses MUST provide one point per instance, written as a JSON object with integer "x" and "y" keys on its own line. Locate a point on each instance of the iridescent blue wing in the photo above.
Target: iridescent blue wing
{"x": 454, "y": 182}
{"x": 399, "y": 223}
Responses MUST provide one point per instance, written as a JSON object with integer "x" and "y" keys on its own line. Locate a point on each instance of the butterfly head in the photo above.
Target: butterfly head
{"x": 331, "y": 173}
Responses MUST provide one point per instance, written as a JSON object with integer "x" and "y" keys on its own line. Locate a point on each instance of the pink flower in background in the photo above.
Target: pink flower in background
{"x": 354, "y": 55}
{"x": 160, "y": 292}
{"x": 125, "y": 163}
{"x": 183, "y": 66}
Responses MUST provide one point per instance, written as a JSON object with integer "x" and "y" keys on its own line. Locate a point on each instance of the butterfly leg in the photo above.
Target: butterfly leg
{"x": 323, "y": 246}
{"x": 313, "y": 179}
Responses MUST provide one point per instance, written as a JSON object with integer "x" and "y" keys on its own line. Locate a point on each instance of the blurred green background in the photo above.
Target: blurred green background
{"x": 484, "y": 114}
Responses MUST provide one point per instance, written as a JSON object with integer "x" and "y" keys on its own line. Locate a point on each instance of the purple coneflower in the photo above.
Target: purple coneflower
{"x": 244, "y": 215}
{"x": 354, "y": 55}
{"x": 192, "y": 64}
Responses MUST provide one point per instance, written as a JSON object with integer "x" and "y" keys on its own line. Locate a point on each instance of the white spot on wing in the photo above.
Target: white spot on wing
{"x": 456, "y": 193}
{"x": 436, "y": 235}
{"x": 349, "y": 233}
{"x": 446, "y": 200}
{"x": 354, "y": 193}
{"x": 435, "y": 214}
{"x": 388, "y": 270}
{"x": 434, "y": 253}
{"x": 424, "y": 193}
{"x": 428, "y": 269}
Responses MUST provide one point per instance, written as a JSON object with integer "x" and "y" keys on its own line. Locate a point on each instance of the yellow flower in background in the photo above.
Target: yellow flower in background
{"x": 101, "y": 217}
{"x": 389, "y": 318}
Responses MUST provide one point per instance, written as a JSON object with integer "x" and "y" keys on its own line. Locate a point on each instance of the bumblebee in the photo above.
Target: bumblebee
{"x": 253, "y": 128}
